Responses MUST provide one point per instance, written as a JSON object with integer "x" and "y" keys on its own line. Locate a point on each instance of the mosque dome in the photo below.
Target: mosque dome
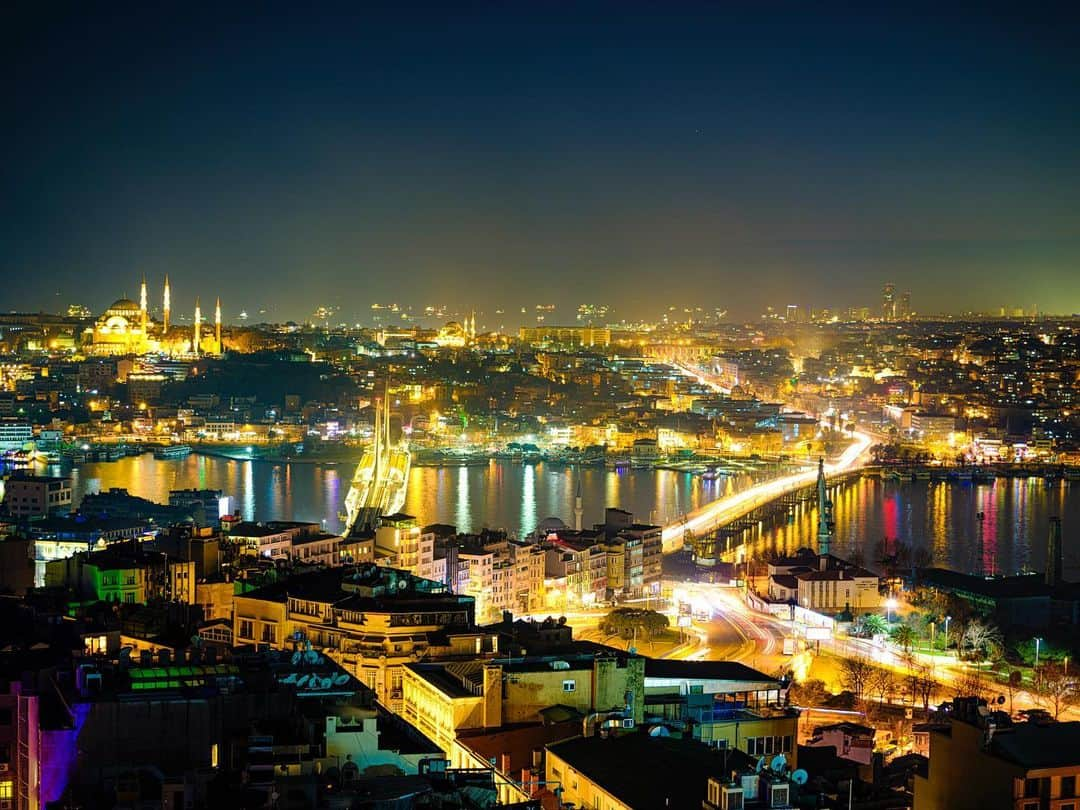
{"x": 124, "y": 305}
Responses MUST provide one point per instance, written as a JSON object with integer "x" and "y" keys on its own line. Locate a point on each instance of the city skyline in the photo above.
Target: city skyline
{"x": 485, "y": 157}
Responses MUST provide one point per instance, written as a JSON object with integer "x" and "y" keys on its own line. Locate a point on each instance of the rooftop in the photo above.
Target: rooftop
{"x": 1031, "y": 745}
{"x": 627, "y": 767}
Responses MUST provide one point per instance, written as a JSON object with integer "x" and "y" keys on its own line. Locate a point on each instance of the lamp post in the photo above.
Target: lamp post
{"x": 947, "y": 620}
{"x": 1038, "y": 641}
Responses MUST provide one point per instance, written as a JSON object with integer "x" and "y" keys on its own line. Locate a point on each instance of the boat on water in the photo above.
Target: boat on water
{"x": 172, "y": 451}
{"x": 378, "y": 484}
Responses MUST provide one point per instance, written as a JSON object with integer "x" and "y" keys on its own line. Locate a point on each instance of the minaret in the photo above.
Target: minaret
{"x": 824, "y": 531}
{"x": 198, "y": 325}
{"x": 578, "y": 511}
{"x": 217, "y": 325}
{"x": 165, "y": 306}
{"x": 142, "y": 304}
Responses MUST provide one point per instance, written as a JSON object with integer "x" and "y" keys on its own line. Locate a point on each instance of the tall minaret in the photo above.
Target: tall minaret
{"x": 578, "y": 511}
{"x": 217, "y": 325}
{"x": 824, "y": 531}
{"x": 198, "y": 329}
{"x": 165, "y": 306}
{"x": 142, "y": 304}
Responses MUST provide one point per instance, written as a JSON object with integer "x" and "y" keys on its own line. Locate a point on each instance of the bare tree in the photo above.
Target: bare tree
{"x": 981, "y": 639}
{"x": 922, "y": 686}
{"x": 970, "y": 684}
{"x": 1054, "y": 690}
{"x": 1013, "y": 685}
{"x": 855, "y": 673}
{"x": 882, "y": 684}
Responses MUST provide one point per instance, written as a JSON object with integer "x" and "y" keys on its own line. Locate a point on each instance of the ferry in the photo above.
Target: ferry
{"x": 172, "y": 451}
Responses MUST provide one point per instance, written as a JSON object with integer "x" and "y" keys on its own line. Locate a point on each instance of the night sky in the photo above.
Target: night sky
{"x": 511, "y": 154}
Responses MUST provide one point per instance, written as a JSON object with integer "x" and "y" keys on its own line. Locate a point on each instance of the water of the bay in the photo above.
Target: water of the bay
{"x": 941, "y": 516}
{"x": 500, "y": 494}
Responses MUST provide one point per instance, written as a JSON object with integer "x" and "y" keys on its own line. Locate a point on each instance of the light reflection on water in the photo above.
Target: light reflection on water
{"x": 500, "y": 494}
{"x": 942, "y": 517}
{"x": 938, "y": 515}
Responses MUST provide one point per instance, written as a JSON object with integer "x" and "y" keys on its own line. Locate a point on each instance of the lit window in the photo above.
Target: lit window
{"x": 569, "y": 686}
{"x": 6, "y": 789}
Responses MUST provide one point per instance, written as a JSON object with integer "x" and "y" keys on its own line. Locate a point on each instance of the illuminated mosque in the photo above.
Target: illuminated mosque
{"x": 126, "y": 328}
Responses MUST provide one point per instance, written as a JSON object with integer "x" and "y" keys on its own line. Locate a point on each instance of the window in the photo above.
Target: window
{"x": 1031, "y": 788}
{"x": 7, "y": 789}
{"x": 1068, "y": 787}
{"x": 569, "y": 686}
{"x": 269, "y": 633}
{"x": 247, "y": 629}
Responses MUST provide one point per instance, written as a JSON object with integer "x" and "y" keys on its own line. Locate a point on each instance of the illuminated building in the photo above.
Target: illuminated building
{"x": 453, "y": 335}
{"x": 566, "y": 335}
{"x": 32, "y": 496}
{"x": 888, "y": 302}
{"x": 14, "y": 434}
{"x": 126, "y": 328}
{"x": 983, "y": 760}
{"x": 120, "y": 330}
{"x": 729, "y": 711}
{"x": 371, "y": 620}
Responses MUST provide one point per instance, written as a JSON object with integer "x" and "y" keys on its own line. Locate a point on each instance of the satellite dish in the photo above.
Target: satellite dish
{"x": 800, "y": 777}
{"x": 760, "y": 765}
{"x": 659, "y": 731}
{"x": 779, "y": 763}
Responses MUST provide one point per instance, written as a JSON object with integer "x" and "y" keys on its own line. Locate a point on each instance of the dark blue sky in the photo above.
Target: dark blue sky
{"x": 511, "y": 154}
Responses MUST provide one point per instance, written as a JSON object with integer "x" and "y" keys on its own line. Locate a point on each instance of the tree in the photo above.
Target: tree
{"x": 855, "y": 674}
{"x": 922, "y": 685}
{"x": 871, "y": 624}
{"x": 1054, "y": 690}
{"x": 904, "y": 636}
{"x": 970, "y": 684}
{"x": 882, "y": 684}
{"x": 980, "y": 640}
{"x": 627, "y": 623}
{"x": 1013, "y": 683}
{"x": 809, "y": 693}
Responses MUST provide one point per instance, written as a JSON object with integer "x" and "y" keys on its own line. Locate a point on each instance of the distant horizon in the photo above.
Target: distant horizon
{"x": 517, "y": 154}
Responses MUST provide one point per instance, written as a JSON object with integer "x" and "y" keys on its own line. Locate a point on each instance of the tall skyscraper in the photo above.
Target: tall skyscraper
{"x": 217, "y": 325}
{"x": 903, "y": 307}
{"x": 888, "y": 302}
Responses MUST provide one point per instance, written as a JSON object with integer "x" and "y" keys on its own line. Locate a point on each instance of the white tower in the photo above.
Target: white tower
{"x": 198, "y": 328}
{"x": 166, "y": 305}
{"x": 217, "y": 325}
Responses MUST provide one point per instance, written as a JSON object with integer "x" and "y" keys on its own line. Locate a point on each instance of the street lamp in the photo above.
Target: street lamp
{"x": 1038, "y": 641}
{"x": 947, "y": 620}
